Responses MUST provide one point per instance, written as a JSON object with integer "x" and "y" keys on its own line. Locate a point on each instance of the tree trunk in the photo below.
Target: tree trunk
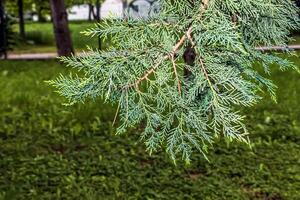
{"x": 125, "y": 5}
{"x": 91, "y": 8}
{"x": 61, "y": 28}
{"x": 3, "y": 42}
{"x": 21, "y": 20}
{"x": 98, "y": 9}
{"x": 40, "y": 15}
{"x": 98, "y": 18}
{"x": 40, "y": 9}
{"x": 93, "y": 13}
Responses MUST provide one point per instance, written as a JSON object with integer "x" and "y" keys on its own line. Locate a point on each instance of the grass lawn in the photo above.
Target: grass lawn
{"x": 49, "y": 151}
{"x": 40, "y": 37}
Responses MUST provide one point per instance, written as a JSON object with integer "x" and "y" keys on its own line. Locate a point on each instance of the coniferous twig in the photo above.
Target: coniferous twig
{"x": 184, "y": 105}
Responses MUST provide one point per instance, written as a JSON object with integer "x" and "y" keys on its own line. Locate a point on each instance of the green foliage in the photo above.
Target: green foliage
{"x": 12, "y": 6}
{"x": 42, "y": 7}
{"x": 142, "y": 73}
{"x": 39, "y": 7}
{"x": 49, "y": 151}
{"x": 296, "y": 40}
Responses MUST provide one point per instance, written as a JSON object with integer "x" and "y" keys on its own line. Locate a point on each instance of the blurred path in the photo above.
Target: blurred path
{"x": 279, "y": 48}
{"x": 47, "y": 56}
{"x": 32, "y": 56}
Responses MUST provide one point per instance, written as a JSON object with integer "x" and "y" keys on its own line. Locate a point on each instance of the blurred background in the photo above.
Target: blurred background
{"x": 51, "y": 151}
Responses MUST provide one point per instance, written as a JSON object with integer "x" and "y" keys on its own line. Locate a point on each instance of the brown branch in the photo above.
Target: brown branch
{"x": 200, "y": 59}
{"x": 117, "y": 112}
{"x": 202, "y": 64}
{"x": 171, "y": 54}
{"x": 207, "y": 78}
{"x": 204, "y": 69}
{"x": 187, "y": 34}
{"x": 146, "y": 75}
{"x": 203, "y": 8}
{"x": 176, "y": 74}
{"x": 181, "y": 41}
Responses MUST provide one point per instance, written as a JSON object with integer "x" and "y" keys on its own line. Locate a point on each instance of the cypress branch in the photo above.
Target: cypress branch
{"x": 184, "y": 103}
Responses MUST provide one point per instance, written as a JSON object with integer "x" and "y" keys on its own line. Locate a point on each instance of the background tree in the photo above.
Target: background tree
{"x": 42, "y": 8}
{"x": 95, "y": 11}
{"x": 7, "y": 35}
{"x": 21, "y": 19}
{"x": 17, "y": 8}
{"x": 3, "y": 42}
{"x": 91, "y": 11}
{"x": 98, "y": 10}
{"x": 125, "y": 6}
{"x": 143, "y": 72}
{"x": 61, "y": 28}
{"x": 94, "y": 7}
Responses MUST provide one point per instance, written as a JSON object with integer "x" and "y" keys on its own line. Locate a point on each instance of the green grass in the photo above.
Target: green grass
{"x": 49, "y": 151}
{"x": 296, "y": 39}
{"x": 40, "y": 37}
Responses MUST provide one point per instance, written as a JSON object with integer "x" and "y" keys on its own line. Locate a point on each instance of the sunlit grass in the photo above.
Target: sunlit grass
{"x": 40, "y": 38}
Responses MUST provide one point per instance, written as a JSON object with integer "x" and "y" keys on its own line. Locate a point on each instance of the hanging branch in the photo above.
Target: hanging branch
{"x": 220, "y": 45}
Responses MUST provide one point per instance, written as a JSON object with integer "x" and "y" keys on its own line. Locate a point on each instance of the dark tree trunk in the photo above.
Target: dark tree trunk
{"x": 94, "y": 13}
{"x": 98, "y": 8}
{"x": 91, "y": 11}
{"x": 3, "y": 42}
{"x": 40, "y": 15}
{"x": 21, "y": 20}
{"x": 61, "y": 28}
{"x": 98, "y": 18}
{"x": 125, "y": 5}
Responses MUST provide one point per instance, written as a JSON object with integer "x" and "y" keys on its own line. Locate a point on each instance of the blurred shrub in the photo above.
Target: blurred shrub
{"x": 39, "y": 38}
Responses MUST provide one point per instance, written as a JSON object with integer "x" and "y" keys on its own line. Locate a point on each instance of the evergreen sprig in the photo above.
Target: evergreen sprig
{"x": 184, "y": 103}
